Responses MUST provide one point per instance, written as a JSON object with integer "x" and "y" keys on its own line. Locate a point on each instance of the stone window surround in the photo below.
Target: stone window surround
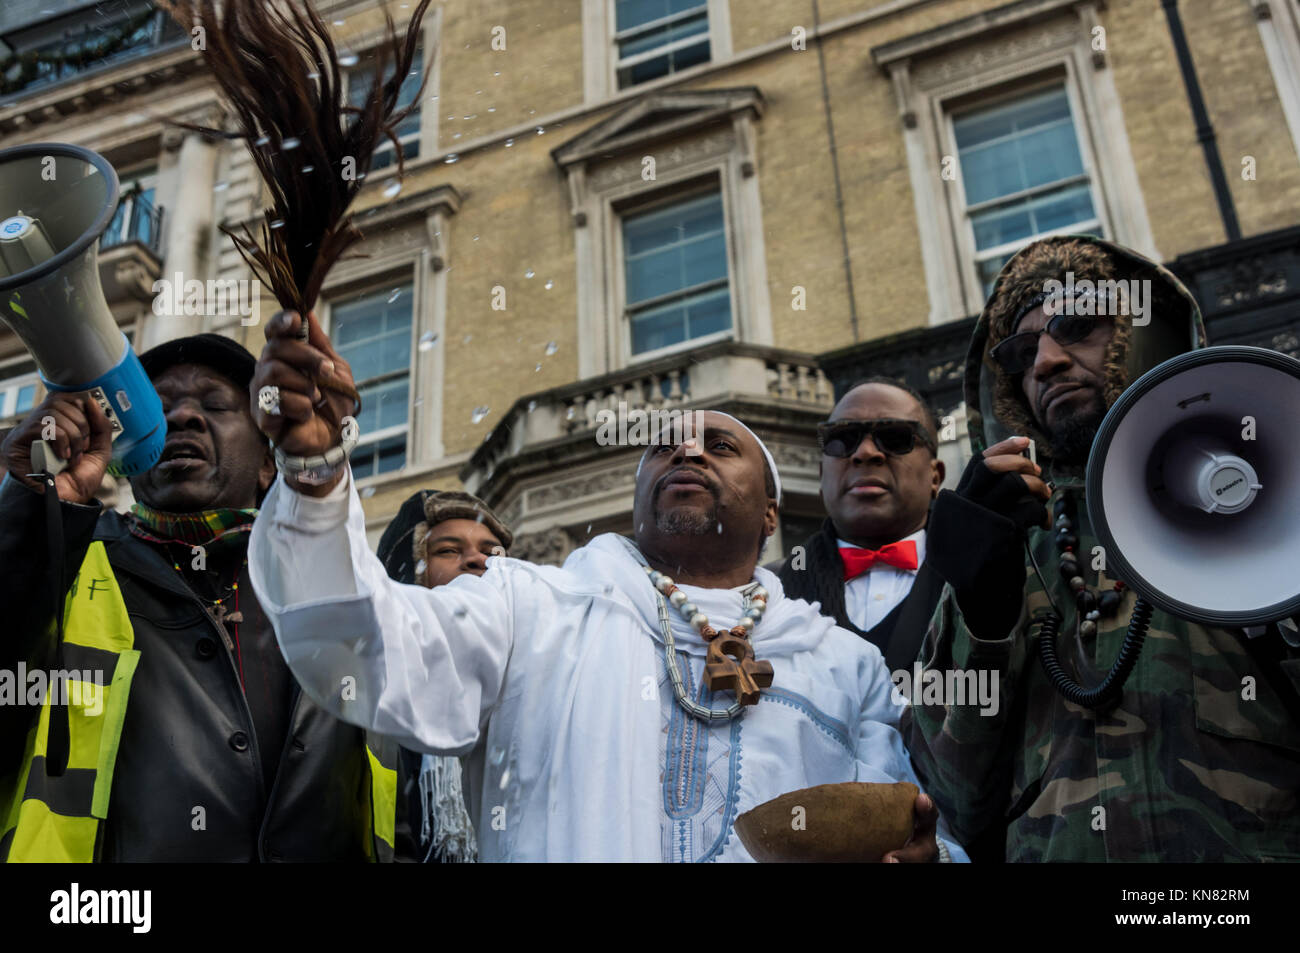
{"x": 710, "y": 137}
{"x": 418, "y": 226}
{"x": 1279, "y": 31}
{"x": 956, "y": 63}
{"x": 600, "y": 58}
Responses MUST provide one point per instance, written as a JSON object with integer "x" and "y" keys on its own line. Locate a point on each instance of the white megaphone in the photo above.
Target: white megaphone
{"x": 1193, "y": 486}
{"x": 56, "y": 200}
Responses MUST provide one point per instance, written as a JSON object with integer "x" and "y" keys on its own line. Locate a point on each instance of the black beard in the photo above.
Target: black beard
{"x": 1072, "y": 437}
{"x": 685, "y": 522}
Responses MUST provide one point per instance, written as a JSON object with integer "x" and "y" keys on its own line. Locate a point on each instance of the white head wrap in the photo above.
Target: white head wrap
{"x": 771, "y": 464}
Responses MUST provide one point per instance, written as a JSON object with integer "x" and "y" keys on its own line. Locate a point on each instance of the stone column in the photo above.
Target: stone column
{"x": 186, "y": 226}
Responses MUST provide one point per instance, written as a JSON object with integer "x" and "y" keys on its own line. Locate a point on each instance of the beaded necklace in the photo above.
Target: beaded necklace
{"x": 730, "y": 665}
{"x": 1092, "y": 605}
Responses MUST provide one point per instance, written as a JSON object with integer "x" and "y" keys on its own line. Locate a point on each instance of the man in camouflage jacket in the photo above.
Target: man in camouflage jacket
{"x": 1200, "y": 759}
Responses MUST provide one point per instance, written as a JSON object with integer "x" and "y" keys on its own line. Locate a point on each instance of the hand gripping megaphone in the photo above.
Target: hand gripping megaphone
{"x": 56, "y": 200}
{"x": 1193, "y": 490}
{"x": 1193, "y": 486}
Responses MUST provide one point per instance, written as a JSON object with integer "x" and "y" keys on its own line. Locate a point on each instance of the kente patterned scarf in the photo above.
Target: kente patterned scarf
{"x": 214, "y": 530}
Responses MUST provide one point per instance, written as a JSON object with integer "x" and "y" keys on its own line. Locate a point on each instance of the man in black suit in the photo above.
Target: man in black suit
{"x": 879, "y": 474}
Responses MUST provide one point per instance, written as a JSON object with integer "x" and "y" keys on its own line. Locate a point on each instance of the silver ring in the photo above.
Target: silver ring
{"x": 268, "y": 399}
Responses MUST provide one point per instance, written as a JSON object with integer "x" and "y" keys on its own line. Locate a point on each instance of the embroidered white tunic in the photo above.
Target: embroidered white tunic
{"x": 550, "y": 683}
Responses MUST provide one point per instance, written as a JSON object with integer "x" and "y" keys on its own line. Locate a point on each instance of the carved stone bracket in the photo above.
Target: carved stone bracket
{"x": 547, "y": 548}
{"x": 133, "y": 278}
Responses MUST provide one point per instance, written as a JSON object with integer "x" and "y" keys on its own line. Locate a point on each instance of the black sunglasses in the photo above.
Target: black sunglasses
{"x": 1017, "y": 354}
{"x": 841, "y": 438}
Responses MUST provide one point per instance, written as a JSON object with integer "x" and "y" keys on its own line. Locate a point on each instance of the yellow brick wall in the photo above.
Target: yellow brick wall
{"x": 1247, "y": 115}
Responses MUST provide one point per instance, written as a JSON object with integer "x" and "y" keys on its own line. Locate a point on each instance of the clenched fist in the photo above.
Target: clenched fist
{"x": 314, "y": 383}
{"x": 82, "y": 435}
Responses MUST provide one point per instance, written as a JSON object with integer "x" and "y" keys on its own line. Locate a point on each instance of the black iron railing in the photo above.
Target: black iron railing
{"x": 136, "y": 220}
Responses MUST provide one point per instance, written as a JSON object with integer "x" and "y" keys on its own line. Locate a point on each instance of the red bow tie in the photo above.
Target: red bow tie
{"x": 857, "y": 561}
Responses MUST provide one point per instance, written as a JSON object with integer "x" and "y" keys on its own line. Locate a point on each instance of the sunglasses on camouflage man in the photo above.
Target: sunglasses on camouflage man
{"x": 1017, "y": 354}
{"x": 841, "y": 438}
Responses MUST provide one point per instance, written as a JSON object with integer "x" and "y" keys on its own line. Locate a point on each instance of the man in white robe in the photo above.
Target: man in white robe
{"x": 551, "y": 682}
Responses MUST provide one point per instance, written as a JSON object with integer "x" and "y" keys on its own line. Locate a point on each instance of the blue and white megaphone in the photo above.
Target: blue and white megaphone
{"x": 56, "y": 200}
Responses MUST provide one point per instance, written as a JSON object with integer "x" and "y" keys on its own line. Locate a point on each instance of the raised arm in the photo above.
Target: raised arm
{"x": 423, "y": 666}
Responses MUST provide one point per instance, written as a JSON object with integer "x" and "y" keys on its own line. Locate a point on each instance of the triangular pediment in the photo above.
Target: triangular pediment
{"x": 658, "y": 116}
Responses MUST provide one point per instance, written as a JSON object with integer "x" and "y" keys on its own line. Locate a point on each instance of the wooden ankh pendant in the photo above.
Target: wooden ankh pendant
{"x": 731, "y": 666}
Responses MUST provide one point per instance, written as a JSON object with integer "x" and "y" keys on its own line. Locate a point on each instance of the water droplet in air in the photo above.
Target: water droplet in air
{"x": 479, "y": 414}
{"x": 467, "y": 338}
{"x": 475, "y": 238}
{"x": 451, "y": 159}
{"x": 367, "y": 492}
{"x": 505, "y": 779}
{"x": 569, "y": 414}
{"x": 551, "y": 347}
{"x": 492, "y": 109}
{"x": 529, "y": 273}
{"x": 456, "y": 136}
{"x": 397, "y": 293}
{"x": 509, "y": 143}
{"x": 461, "y": 612}
{"x": 549, "y": 284}
{"x": 293, "y": 142}
{"x": 308, "y": 168}
{"x": 313, "y": 75}
{"x": 264, "y": 140}
{"x": 349, "y": 59}
{"x": 496, "y": 73}
{"x": 537, "y": 368}
{"x": 278, "y": 223}
{"x": 221, "y": 187}
{"x": 338, "y": 22}
{"x": 496, "y": 755}
{"x": 540, "y": 130}
{"x": 420, "y": 567}
{"x": 532, "y": 404}
{"x": 588, "y": 529}
{"x": 427, "y": 340}
{"x": 719, "y": 529}
{"x": 392, "y": 189}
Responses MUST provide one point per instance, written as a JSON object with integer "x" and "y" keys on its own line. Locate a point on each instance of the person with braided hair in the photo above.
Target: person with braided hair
{"x": 866, "y": 566}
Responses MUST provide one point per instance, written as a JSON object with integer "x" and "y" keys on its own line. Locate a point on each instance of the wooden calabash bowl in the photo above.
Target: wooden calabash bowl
{"x": 854, "y": 822}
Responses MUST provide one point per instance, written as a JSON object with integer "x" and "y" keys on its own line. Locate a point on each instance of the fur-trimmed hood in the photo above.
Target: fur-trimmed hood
{"x": 995, "y": 407}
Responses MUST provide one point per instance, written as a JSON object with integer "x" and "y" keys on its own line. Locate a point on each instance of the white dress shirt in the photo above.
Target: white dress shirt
{"x": 870, "y": 597}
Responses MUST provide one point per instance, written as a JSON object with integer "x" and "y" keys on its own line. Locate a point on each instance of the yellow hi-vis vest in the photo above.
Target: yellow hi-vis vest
{"x": 60, "y": 819}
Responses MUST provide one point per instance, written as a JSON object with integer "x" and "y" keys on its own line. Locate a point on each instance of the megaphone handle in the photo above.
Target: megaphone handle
{"x": 45, "y": 459}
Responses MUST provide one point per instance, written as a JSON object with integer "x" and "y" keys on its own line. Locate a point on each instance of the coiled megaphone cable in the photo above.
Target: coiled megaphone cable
{"x": 1106, "y": 695}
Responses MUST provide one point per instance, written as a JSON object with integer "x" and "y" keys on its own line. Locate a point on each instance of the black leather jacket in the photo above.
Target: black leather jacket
{"x": 188, "y": 740}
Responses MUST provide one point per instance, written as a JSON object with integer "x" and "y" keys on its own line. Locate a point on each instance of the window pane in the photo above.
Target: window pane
{"x": 710, "y": 314}
{"x": 659, "y": 327}
{"x": 373, "y": 334}
{"x": 1062, "y": 209}
{"x": 1001, "y": 225}
{"x": 26, "y": 399}
{"x": 668, "y": 252}
{"x": 705, "y": 260}
{"x": 359, "y": 85}
{"x": 1016, "y": 146}
{"x": 632, "y": 13}
{"x": 1029, "y": 143}
{"x": 663, "y": 35}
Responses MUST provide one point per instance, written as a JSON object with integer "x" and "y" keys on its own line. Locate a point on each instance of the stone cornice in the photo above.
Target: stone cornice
{"x": 107, "y": 85}
{"x": 975, "y": 27}
{"x": 681, "y": 112}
